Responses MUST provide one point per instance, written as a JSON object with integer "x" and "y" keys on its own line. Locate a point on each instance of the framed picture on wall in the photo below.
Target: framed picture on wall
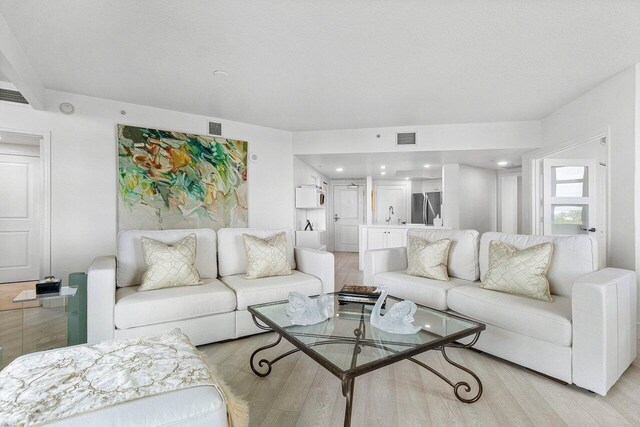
{"x": 171, "y": 180}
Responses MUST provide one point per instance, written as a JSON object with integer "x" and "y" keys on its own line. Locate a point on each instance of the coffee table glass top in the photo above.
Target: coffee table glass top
{"x": 347, "y": 342}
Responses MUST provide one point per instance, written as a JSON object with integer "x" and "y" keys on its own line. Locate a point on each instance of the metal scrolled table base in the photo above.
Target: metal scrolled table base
{"x": 348, "y": 383}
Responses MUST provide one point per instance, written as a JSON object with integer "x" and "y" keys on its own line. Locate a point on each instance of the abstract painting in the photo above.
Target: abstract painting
{"x": 170, "y": 180}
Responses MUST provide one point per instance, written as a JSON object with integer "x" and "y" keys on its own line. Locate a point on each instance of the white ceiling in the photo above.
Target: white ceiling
{"x": 406, "y": 164}
{"x": 3, "y": 78}
{"x": 303, "y": 65}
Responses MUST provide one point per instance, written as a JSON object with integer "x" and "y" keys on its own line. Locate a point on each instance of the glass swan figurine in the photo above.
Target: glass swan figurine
{"x": 302, "y": 310}
{"x": 398, "y": 319}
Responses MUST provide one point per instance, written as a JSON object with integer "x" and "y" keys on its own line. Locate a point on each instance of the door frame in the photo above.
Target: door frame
{"x": 362, "y": 184}
{"x": 533, "y": 187}
{"x": 45, "y": 181}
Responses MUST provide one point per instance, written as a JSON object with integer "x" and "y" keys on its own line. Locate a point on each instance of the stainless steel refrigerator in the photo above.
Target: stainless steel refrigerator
{"x": 424, "y": 207}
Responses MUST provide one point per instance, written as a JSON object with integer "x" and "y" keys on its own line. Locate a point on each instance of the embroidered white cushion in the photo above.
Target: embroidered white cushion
{"x": 169, "y": 266}
{"x": 519, "y": 272}
{"x": 428, "y": 259}
{"x": 266, "y": 257}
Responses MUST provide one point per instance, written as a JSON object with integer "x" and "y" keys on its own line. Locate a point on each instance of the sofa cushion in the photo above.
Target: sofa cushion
{"x": 547, "y": 321}
{"x": 428, "y": 259}
{"x": 130, "y": 260}
{"x": 429, "y": 292}
{"x": 135, "y": 308}
{"x": 463, "y": 253}
{"x": 268, "y": 289}
{"x": 169, "y": 266}
{"x": 266, "y": 257}
{"x": 232, "y": 258}
{"x": 519, "y": 272}
{"x": 573, "y": 256}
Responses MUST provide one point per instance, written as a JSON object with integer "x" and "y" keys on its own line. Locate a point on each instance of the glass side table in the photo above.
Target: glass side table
{"x": 44, "y": 327}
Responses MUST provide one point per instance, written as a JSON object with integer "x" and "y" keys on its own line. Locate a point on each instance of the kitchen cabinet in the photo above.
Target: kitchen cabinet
{"x": 384, "y": 238}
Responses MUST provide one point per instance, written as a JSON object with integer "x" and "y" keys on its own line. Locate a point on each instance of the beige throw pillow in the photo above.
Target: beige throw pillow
{"x": 428, "y": 259}
{"x": 266, "y": 257}
{"x": 520, "y": 272}
{"x": 169, "y": 266}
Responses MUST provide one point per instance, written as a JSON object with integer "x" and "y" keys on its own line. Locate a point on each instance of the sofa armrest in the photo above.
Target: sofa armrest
{"x": 383, "y": 260}
{"x": 101, "y": 299}
{"x": 604, "y": 327}
{"x": 319, "y": 264}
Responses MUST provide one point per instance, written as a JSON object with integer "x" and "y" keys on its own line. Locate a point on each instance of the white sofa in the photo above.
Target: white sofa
{"x": 214, "y": 311}
{"x": 586, "y": 336}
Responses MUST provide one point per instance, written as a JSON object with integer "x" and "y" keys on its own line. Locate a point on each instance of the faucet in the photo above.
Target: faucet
{"x": 390, "y": 213}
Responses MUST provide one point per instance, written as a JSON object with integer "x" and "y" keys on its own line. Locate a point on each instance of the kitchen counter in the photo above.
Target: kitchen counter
{"x": 402, "y": 226}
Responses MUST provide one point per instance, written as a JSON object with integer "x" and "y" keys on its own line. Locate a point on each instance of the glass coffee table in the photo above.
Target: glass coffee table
{"x": 348, "y": 346}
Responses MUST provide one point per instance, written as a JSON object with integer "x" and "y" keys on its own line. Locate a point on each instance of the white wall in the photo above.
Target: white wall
{"x": 612, "y": 106}
{"x": 83, "y": 175}
{"x": 469, "y": 198}
{"x": 396, "y": 193}
{"x": 304, "y": 174}
{"x": 451, "y": 195}
{"x": 472, "y": 136}
{"x": 478, "y": 199}
{"x": 508, "y": 204}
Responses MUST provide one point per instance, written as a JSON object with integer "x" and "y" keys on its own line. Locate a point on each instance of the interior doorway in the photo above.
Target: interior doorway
{"x": 24, "y": 212}
{"x": 510, "y": 202}
{"x": 572, "y": 189}
{"x": 347, "y": 215}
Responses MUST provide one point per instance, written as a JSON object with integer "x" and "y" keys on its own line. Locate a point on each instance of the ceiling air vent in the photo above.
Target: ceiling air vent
{"x": 12, "y": 96}
{"x": 406, "y": 138}
{"x": 215, "y": 128}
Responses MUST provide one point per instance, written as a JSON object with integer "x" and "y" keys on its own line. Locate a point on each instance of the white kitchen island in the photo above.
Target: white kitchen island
{"x": 382, "y": 236}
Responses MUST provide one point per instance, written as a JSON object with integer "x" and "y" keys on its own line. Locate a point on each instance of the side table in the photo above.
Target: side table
{"x": 44, "y": 327}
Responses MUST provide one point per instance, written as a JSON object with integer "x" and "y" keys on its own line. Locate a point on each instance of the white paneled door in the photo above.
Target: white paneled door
{"x": 575, "y": 200}
{"x": 19, "y": 218}
{"x": 348, "y": 214}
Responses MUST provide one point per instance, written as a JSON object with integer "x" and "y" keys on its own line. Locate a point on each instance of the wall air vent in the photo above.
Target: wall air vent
{"x": 512, "y": 167}
{"x": 215, "y": 128}
{"x": 406, "y": 138}
{"x": 12, "y": 96}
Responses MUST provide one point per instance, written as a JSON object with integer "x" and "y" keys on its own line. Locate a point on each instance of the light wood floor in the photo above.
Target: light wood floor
{"x": 301, "y": 393}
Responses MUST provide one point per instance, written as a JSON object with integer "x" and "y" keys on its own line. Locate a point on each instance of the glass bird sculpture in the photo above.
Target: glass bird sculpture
{"x": 302, "y": 310}
{"x": 398, "y": 319}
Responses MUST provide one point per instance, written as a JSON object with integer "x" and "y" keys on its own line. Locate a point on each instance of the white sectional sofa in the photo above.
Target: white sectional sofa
{"x": 214, "y": 311}
{"x": 586, "y": 336}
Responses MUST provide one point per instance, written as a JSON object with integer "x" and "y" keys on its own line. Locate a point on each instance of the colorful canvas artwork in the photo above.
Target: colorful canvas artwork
{"x": 170, "y": 180}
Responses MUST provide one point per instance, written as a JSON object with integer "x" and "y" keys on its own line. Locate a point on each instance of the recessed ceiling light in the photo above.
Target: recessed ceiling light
{"x": 220, "y": 73}
{"x": 339, "y": 169}
{"x": 427, "y": 165}
{"x": 407, "y": 178}
{"x": 383, "y": 167}
{"x": 503, "y": 163}
{"x": 0, "y": 136}
{"x": 383, "y": 173}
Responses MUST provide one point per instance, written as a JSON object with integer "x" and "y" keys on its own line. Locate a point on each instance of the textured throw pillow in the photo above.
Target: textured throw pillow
{"x": 428, "y": 259}
{"x": 266, "y": 257}
{"x": 169, "y": 266}
{"x": 520, "y": 272}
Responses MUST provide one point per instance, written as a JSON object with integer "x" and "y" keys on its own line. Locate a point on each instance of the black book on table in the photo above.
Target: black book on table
{"x": 359, "y": 291}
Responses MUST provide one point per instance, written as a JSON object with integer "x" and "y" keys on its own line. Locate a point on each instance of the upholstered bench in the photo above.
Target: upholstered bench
{"x": 160, "y": 380}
